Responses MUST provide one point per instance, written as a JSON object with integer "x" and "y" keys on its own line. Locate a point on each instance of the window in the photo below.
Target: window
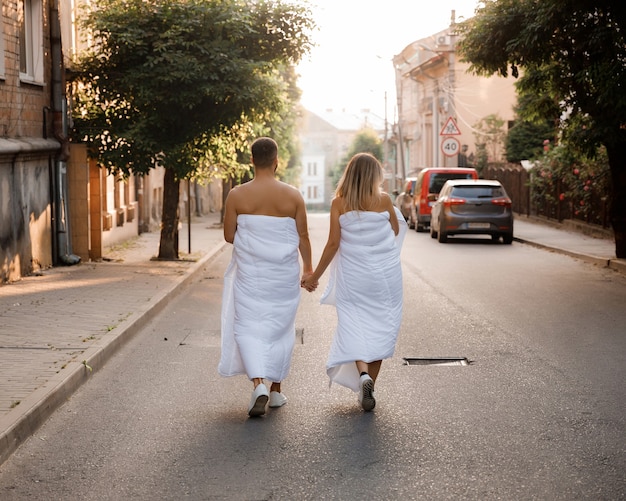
{"x": 477, "y": 192}
{"x": 31, "y": 41}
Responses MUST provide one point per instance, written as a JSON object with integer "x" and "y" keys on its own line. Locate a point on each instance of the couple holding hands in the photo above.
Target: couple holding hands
{"x": 265, "y": 220}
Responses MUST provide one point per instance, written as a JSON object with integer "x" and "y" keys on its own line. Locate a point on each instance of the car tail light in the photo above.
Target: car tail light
{"x": 453, "y": 201}
{"x": 502, "y": 201}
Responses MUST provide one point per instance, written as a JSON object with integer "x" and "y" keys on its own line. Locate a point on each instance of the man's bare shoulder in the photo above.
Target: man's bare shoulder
{"x": 292, "y": 190}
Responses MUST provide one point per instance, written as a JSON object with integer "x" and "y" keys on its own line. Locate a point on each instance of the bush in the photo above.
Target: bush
{"x": 562, "y": 178}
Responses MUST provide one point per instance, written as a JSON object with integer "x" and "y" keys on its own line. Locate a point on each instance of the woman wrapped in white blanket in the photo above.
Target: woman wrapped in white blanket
{"x": 363, "y": 250}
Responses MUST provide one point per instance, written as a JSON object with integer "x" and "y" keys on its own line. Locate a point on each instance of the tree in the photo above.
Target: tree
{"x": 572, "y": 53}
{"x": 163, "y": 79}
{"x": 365, "y": 141}
{"x": 489, "y": 135}
{"x": 525, "y": 139}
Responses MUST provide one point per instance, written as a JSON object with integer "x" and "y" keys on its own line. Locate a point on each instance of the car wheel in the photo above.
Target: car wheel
{"x": 442, "y": 236}
{"x": 507, "y": 238}
{"x": 419, "y": 227}
{"x": 495, "y": 238}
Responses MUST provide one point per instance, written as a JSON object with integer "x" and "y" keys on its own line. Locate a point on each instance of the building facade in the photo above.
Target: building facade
{"x": 31, "y": 188}
{"x": 440, "y": 104}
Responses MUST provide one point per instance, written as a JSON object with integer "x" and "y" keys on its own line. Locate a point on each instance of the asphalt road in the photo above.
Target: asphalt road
{"x": 538, "y": 414}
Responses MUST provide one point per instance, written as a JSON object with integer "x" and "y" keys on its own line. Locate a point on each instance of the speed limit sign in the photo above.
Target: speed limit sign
{"x": 450, "y": 146}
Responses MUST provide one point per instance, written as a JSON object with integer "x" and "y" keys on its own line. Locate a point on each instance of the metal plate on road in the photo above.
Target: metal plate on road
{"x": 436, "y": 361}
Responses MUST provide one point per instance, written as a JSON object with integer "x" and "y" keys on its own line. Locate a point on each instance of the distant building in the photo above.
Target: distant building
{"x": 325, "y": 140}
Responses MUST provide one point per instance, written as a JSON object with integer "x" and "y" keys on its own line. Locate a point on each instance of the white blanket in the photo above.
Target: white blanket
{"x": 260, "y": 298}
{"x": 365, "y": 285}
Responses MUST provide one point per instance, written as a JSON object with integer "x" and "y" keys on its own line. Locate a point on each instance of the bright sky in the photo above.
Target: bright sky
{"x": 351, "y": 66}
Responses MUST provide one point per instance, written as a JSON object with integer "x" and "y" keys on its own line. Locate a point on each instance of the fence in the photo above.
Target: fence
{"x": 517, "y": 182}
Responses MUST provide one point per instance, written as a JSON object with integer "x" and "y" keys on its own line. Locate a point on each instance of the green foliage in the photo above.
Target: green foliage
{"x": 482, "y": 159}
{"x": 489, "y": 138}
{"x": 365, "y": 141}
{"x": 572, "y": 53}
{"x": 163, "y": 79}
{"x": 525, "y": 139}
{"x": 561, "y": 175}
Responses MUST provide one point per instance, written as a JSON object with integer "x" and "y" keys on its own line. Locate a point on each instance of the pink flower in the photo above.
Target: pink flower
{"x": 562, "y": 197}
{"x": 576, "y": 172}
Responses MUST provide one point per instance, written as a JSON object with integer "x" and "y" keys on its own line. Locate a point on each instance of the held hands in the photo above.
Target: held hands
{"x": 308, "y": 282}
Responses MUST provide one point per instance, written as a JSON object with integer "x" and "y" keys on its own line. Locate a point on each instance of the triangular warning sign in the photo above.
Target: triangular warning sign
{"x": 450, "y": 128}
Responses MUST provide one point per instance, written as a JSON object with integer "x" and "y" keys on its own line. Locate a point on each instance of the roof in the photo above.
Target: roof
{"x": 353, "y": 121}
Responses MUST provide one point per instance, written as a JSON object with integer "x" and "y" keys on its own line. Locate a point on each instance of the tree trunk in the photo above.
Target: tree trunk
{"x": 168, "y": 247}
{"x": 617, "y": 164}
{"x": 226, "y": 185}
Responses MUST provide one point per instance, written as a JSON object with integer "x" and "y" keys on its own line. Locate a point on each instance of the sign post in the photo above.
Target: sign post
{"x": 450, "y": 145}
{"x": 450, "y": 128}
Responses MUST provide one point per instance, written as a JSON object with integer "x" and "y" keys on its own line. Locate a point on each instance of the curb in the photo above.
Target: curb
{"x": 618, "y": 265}
{"x": 614, "y": 264}
{"x": 22, "y": 422}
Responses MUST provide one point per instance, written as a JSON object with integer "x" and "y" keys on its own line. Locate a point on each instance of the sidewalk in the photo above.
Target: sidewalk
{"x": 56, "y": 328}
{"x": 59, "y": 327}
{"x": 600, "y": 251}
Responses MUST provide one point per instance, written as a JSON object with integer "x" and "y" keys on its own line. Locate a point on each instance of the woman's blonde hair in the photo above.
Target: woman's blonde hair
{"x": 359, "y": 185}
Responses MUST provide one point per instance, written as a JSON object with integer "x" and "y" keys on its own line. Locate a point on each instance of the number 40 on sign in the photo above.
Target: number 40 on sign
{"x": 450, "y": 146}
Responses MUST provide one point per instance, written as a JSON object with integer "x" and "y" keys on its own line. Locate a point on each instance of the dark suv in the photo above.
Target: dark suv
{"x": 472, "y": 207}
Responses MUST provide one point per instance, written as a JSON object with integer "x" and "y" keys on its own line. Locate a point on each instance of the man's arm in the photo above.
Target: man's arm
{"x": 230, "y": 216}
{"x": 303, "y": 231}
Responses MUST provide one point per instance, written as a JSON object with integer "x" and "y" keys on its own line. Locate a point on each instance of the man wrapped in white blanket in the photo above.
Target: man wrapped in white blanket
{"x": 363, "y": 250}
{"x": 266, "y": 222}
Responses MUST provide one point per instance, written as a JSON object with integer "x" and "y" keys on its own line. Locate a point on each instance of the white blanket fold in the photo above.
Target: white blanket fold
{"x": 260, "y": 298}
{"x": 365, "y": 285}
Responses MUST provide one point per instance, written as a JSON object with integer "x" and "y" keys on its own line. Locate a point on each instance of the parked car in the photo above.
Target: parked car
{"x": 467, "y": 207}
{"x": 405, "y": 199}
{"x": 427, "y": 187}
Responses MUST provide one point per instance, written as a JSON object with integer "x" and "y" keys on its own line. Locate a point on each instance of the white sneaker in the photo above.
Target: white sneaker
{"x": 258, "y": 401}
{"x": 277, "y": 399}
{"x": 366, "y": 393}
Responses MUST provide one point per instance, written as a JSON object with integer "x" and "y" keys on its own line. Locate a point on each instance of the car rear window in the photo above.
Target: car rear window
{"x": 437, "y": 180}
{"x": 477, "y": 192}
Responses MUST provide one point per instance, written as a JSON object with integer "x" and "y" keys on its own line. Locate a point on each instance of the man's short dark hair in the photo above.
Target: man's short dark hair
{"x": 264, "y": 152}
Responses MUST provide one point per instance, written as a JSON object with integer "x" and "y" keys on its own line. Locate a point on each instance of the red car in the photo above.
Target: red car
{"x": 427, "y": 187}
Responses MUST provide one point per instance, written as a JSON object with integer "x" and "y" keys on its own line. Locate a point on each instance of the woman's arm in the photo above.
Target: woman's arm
{"x": 393, "y": 218}
{"x": 334, "y": 237}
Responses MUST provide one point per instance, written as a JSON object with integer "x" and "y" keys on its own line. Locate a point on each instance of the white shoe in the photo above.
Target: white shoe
{"x": 277, "y": 399}
{"x": 366, "y": 393}
{"x": 258, "y": 401}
